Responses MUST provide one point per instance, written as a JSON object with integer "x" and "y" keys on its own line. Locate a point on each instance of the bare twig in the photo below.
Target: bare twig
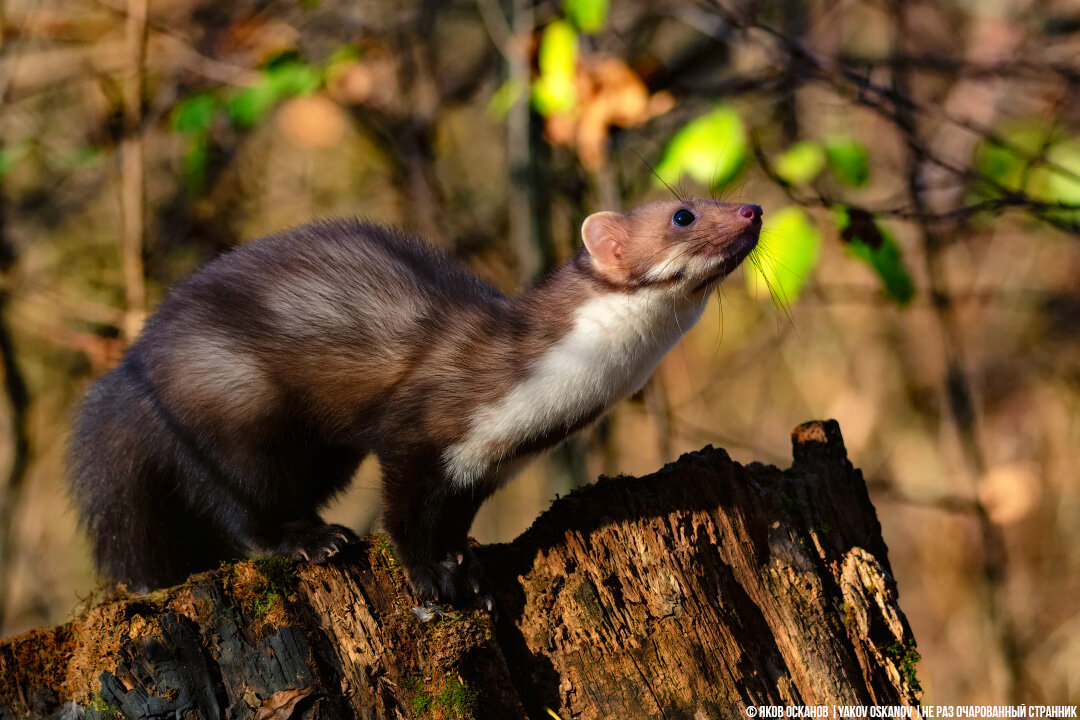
{"x": 18, "y": 398}
{"x": 659, "y": 406}
{"x": 1009, "y": 200}
{"x": 132, "y": 181}
{"x": 512, "y": 40}
{"x": 886, "y": 490}
{"x": 15, "y": 390}
{"x": 940, "y": 212}
{"x": 894, "y": 105}
{"x": 1013, "y": 68}
{"x": 958, "y": 389}
{"x": 498, "y": 29}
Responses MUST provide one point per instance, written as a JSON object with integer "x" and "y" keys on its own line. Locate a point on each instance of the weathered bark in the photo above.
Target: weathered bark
{"x": 690, "y": 593}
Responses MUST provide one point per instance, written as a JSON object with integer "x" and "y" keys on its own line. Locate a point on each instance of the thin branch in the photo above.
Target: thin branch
{"x": 885, "y": 490}
{"x": 1018, "y": 68}
{"x": 957, "y": 385}
{"x": 891, "y": 103}
{"x": 132, "y": 181}
{"x": 18, "y": 398}
{"x": 16, "y": 392}
{"x": 498, "y": 29}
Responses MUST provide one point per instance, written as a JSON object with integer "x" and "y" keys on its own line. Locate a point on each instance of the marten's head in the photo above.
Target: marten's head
{"x": 688, "y": 245}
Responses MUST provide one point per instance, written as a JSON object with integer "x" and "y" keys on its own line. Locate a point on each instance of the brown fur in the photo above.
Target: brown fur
{"x": 263, "y": 380}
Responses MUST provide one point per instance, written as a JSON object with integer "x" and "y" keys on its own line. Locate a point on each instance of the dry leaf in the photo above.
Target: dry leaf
{"x": 371, "y": 81}
{"x": 609, "y": 93}
{"x": 282, "y": 704}
{"x": 313, "y": 122}
{"x": 258, "y": 39}
{"x": 1009, "y": 492}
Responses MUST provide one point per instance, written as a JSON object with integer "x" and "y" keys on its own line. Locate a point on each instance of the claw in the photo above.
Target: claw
{"x": 429, "y": 612}
{"x": 304, "y": 555}
{"x": 489, "y": 604}
{"x": 460, "y": 558}
{"x": 476, "y": 587}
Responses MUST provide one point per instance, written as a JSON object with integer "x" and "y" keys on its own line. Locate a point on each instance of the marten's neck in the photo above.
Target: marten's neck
{"x": 577, "y": 306}
{"x": 595, "y": 344}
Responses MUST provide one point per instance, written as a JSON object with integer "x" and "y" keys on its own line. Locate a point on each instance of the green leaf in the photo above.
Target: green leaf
{"x": 555, "y": 91}
{"x": 194, "y": 114}
{"x": 589, "y": 16}
{"x": 282, "y": 78}
{"x": 251, "y": 104}
{"x": 790, "y": 253}
{"x": 800, "y": 163}
{"x": 1064, "y": 187}
{"x": 194, "y": 163}
{"x": 504, "y": 98}
{"x": 711, "y": 149}
{"x": 1002, "y": 164}
{"x": 887, "y": 260}
{"x": 12, "y": 156}
{"x": 1031, "y": 161}
{"x": 345, "y": 53}
{"x": 86, "y": 156}
{"x": 873, "y": 244}
{"x": 292, "y": 78}
{"x": 848, "y": 159}
{"x": 1056, "y": 182}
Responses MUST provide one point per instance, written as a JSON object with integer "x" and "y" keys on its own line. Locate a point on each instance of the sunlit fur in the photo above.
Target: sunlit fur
{"x": 616, "y": 337}
{"x": 708, "y": 249}
{"x": 611, "y": 349}
{"x": 264, "y": 379}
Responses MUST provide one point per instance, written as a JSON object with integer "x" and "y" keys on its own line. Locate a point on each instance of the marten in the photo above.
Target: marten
{"x": 263, "y": 379}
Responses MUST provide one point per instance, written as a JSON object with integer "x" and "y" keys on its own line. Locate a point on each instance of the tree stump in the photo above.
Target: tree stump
{"x": 693, "y": 592}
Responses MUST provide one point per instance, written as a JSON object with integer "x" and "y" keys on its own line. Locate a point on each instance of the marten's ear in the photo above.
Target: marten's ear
{"x": 606, "y": 235}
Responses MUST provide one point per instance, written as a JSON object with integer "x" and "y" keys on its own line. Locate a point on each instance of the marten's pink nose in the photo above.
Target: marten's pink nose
{"x": 751, "y": 213}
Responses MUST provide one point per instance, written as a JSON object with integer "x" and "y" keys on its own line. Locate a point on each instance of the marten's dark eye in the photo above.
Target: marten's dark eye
{"x": 682, "y": 218}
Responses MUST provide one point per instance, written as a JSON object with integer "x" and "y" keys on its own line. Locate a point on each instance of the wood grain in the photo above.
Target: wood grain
{"x": 689, "y": 593}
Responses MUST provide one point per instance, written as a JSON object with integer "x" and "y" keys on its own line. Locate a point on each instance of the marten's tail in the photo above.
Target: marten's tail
{"x": 126, "y": 478}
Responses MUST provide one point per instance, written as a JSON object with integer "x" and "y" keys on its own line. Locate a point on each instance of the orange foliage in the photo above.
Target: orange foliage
{"x": 609, "y": 93}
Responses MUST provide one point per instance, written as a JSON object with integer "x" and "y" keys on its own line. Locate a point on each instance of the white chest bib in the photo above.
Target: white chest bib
{"x": 614, "y": 344}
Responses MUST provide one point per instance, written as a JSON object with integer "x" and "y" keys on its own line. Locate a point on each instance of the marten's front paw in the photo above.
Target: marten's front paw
{"x": 457, "y": 578}
{"x": 317, "y": 544}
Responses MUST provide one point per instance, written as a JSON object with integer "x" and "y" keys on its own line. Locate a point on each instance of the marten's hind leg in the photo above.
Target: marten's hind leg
{"x": 125, "y": 483}
{"x": 310, "y": 540}
{"x": 271, "y": 508}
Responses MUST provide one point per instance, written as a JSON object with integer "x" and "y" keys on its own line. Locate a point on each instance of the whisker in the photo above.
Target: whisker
{"x": 692, "y": 245}
{"x": 668, "y": 248}
{"x": 713, "y": 185}
{"x": 777, "y": 294}
{"x": 720, "y": 309}
{"x": 738, "y": 188}
{"x": 683, "y": 252}
{"x": 657, "y": 176}
{"x": 768, "y": 254}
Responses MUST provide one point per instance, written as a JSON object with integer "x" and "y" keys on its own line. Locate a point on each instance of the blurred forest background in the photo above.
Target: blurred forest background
{"x": 919, "y": 166}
